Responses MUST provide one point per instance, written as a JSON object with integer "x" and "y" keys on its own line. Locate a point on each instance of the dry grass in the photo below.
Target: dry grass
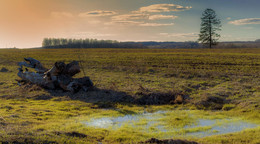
{"x": 205, "y": 79}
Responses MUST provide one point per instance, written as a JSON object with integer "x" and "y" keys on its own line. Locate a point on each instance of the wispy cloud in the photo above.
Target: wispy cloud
{"x": 163, "y": 8}
{"x": 127, "y": 17}
{"x": 156, "y": 24}
{"x": 138, "y": 23}
{"x": 128, "y": 22}
{"x": 157, "y": 17}
{"x": 141, "y": 16}
{"x": 97, "y": 13}
{"x": 140, "y": 19}
{"x": 245, "y": 21}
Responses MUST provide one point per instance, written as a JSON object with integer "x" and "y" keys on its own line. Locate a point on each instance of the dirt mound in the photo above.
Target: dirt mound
{"x": 27, "y": 141}
{"x": 211, "y": 102}
{"x": 72, "y": 134}
{"x": 160, "y": 98}
{"x": 96, "y": 95}
{"x": 105, "y": 96}
{"x": 168, "y": 141}
{"x": 42, "y": 97}
{"x": 4, "y": 70}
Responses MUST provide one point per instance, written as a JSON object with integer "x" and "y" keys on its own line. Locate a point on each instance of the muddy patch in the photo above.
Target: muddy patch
{"x": 71, "y": 134}
{"x": 4, "y": 69}
{"x": 168, "y": 141}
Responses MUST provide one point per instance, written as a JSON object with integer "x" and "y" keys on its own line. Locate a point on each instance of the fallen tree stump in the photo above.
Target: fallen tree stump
{"x": 59, "y": 76}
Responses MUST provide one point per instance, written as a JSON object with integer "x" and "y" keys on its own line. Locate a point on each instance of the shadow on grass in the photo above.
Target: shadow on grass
{"x": 108, "y": 98}
{"x": 103, "y": 98}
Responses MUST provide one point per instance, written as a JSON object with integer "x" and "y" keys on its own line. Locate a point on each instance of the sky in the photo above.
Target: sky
{"x": 24, "y": 23}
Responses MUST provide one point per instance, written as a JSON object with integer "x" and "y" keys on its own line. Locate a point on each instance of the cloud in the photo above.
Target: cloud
{"x": 97, "y": 13}
{"x": 157, "y": 17}
{"x": 137, "y": 23}
{"x": 123, "y": 22}
{"x": 163, "y": 8}
{"x": 141, "y": 16}
{"x": 61, "y": 15}
{"x": 245, "y": 21}
{"x": 156, "y": 24}
{"x": 129, "y": 22}
{"x": 127, "y": 17}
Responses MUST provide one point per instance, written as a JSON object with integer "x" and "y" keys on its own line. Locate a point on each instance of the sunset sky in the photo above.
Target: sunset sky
{"x": 24, "y": 23}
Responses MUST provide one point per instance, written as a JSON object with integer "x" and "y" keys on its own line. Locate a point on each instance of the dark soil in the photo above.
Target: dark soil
{"x": 72, "y": 134}
{"x": 4, "y": 70}
{"x": 211, "y": 102}
{"x": 168, "y": 141}
{"x": 158, "y": 98}
{"x": 27, "y": 141}
{"x": 42, "y": 97}
{"x": 106, "y": 98}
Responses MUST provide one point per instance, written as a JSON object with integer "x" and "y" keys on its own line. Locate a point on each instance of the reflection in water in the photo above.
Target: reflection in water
{"x": 225, "y": 126}
{"x": 217, "y": 126}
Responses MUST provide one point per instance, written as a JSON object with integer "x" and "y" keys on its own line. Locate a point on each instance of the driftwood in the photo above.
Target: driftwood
{"x": 59, "y": 76}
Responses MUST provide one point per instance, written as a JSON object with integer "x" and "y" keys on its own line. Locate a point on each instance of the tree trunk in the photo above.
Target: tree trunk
{"x": 59, "y": 76}
{"x": 210, "y": 33}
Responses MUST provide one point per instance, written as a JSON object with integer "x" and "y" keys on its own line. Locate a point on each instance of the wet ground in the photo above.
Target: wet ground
{"x": 149, "y": 122}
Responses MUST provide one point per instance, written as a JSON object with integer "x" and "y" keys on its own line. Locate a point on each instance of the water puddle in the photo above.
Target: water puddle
{"x": 220, "y": 126}
{"x": 150, "y": 122}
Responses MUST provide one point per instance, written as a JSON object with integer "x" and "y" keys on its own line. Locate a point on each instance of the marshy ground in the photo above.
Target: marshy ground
{"x": 221, "y": 85}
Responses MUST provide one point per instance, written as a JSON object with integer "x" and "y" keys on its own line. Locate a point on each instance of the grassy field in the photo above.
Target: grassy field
{"x": 214, "y": 82}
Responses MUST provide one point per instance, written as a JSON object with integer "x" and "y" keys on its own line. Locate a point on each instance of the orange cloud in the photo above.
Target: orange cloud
{"x": 163, "y": 8}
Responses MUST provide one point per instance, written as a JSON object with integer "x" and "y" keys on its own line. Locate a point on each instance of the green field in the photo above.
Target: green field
{"x": 214, "y": 82}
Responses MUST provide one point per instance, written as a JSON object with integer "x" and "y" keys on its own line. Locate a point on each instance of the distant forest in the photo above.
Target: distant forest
{"x": 86, "y": 43}
{"x": 94, "y": 43}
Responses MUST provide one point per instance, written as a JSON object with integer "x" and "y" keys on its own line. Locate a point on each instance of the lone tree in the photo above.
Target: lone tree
{"x": 209, "y": 25}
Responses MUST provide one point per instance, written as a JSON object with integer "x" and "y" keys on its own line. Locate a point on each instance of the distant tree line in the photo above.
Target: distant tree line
{"x": 188, "y": 44}
{"x": 193, "y": 45}
{"x": 94, "y": 43}
{"x": 239, "y": 44}
{"x": 86, "y": 43}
